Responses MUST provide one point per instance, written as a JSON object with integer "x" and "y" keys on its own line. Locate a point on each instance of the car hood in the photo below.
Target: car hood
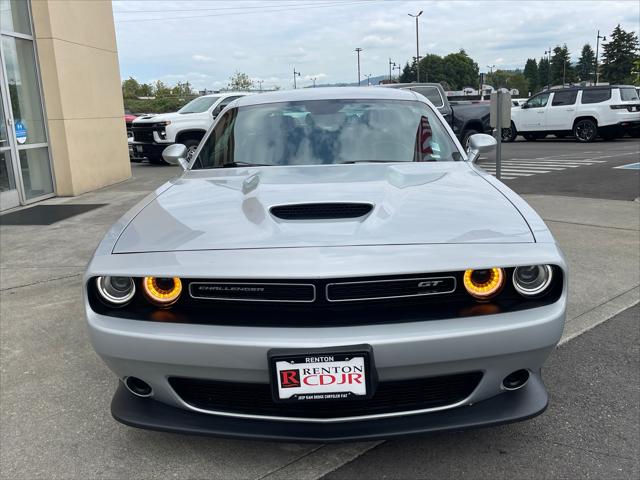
{"x": 165, "y": 117}
{"x": 413, "y": 203}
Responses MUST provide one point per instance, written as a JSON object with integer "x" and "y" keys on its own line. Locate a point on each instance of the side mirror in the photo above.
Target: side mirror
{"x": 480, "y": 143}
{"x": 176, "y": 154}
{"x": 525, "y": 105}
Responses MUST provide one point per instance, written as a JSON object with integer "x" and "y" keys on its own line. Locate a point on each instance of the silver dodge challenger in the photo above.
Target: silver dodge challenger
{"x": 331, "y": 265}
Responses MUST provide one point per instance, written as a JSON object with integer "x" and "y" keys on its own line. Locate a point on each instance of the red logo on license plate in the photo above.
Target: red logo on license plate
{"x": 289, "y": 378}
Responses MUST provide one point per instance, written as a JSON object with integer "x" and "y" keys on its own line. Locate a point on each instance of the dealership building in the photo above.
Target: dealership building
{"x": 61, "y": 113}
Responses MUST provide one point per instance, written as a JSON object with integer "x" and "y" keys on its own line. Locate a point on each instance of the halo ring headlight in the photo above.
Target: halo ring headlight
{"x": 532, "y": 280}
{"x": 115, "y": 291}
{"x": 162, "y": 291}
{"x": 485, "y": 283}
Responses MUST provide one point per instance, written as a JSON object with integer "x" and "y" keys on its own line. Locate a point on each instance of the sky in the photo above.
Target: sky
{"x": 206, "y": 41}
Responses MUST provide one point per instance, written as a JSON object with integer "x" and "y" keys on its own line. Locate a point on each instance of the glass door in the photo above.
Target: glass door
{"x": 9, "y": 197}
{"x": 25, "y": 166}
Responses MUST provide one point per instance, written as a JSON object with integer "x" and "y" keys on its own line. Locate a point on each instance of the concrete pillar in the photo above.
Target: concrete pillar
{"x": 78, "y": 61}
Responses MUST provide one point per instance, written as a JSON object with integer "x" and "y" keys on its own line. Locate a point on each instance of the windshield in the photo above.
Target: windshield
{"x": 321, "y": 132}
{"x": 199, "y": 105}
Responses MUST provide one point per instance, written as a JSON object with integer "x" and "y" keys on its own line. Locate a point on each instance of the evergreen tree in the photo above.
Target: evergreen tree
{"x": 543, "y": 72}
{"x": 408, "y": 74}
{"x": 618, "y": 57}
{"x": 561, "y": 69}
{"x": 531, "y": 74}
{"x": 586, "y": 64}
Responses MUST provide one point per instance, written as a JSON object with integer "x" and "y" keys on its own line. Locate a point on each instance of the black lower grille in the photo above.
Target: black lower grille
{"x": 394, "y": 396}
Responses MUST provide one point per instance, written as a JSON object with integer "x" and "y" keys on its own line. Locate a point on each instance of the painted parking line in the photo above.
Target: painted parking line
{"x": 630, "y": 166}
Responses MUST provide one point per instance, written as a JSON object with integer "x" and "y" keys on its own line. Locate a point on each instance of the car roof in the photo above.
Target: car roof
{"x": 327, "y": 93}
{"x": 227, "y": 94}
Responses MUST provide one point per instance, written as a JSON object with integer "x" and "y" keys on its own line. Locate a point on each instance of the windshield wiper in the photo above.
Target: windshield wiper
{"x": 244, "y": 164}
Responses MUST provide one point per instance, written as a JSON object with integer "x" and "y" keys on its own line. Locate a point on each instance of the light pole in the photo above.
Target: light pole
{"x": 564, "y": 71}
{"x": 391, "y": 66}
{"x": 358, "y": 50}
{"x": 313, "y": 79}
{"x": 295, "y": 74}
{"x": 604, "y": 39}
{"x": 548, "y": 54}
{"x": 396, "y": 66}
{"x": 417, "y": 46}
{"x": 260, "y": 83}
{"x": 368, "y": 75}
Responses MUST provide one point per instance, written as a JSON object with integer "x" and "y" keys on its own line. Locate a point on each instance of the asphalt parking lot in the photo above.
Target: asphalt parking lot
{"x": 55, "y": 392}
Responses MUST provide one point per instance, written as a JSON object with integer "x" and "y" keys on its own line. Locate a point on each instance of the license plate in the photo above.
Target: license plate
{"x": 321, "y": 375}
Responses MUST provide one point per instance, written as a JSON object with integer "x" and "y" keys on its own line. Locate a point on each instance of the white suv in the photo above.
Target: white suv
{"x": 584, "y": 112}
{"x": 153, "y": 133}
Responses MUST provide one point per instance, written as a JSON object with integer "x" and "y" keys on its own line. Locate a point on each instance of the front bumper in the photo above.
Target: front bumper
{"x": 529, "y": 401}
{"x": 141, "y": 150}
{"x": 496, "y": 345}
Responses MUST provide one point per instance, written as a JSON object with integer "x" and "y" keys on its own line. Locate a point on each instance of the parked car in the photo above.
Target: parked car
{"x": 331, "y": 265}
{"x": 465, "y": 118}
{"x": 128, "y": 120}
{"x": 584, "y": 112}
{"x": 153, "y": 133}
{"x": 518, "y": 102}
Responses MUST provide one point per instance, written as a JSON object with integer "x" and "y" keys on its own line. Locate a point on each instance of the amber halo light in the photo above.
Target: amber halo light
{"x": 162, "y": 291}
{"x": 484, "y": 284}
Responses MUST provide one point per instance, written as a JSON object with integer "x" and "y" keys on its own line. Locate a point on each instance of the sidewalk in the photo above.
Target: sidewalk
{"x": 55, "y": 392}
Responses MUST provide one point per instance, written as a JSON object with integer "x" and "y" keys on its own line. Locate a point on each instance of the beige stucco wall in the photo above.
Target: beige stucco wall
{"x": 78, "y": 60}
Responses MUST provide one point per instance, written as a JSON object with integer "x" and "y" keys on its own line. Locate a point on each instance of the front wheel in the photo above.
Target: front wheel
{"x": 509, "y": 134}
{"x": 585, "y": 130}
{"x": 192, "y": 146}
{"x": 465, "y": 138}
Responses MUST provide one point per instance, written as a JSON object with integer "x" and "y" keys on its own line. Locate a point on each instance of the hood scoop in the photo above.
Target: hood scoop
{"x": 321, "y": 211}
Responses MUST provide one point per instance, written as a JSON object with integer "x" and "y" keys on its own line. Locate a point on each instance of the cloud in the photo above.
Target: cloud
{"x": 201, "y": 58}
{"x": 269, "y": 44}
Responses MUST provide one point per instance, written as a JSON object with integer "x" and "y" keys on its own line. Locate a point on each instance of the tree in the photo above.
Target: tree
{"x": 618, "y": 56}
{"x": 561, "y": 69}
{"x": 531, "y": 75}
{"x": 160, "y": 89}
{"x": 182, "y": 90}
{"x": 543, "y": 72}
{"x": 459, "y": 70}
{"x": 585, "y": 67}
{"x": 432, "y": 66}
{"x": 240, "y": 81}
{"x": 130, "y": 88}
{"x": 408, "y": 73}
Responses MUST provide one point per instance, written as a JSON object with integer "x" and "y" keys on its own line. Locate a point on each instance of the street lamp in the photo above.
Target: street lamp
{"x": 392, "y": 65}
{"x": 313, "y": 79}
{"x": 358, "y": 50}
{"x": 260, "y": 83}
{"x": 295, "y": 74}
{"x": 368, "y": 75}
{"x": 548, "y": 54}
{"x": 417, "y": 46}
{"x": 604, "y": 39}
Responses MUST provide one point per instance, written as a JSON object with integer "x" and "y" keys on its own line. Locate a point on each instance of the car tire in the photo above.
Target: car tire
{"x": 509, "y": 134}
{"x": 465, "y": 138}
{"x": 585, "y": 130}
{"x": 192, "y": 146}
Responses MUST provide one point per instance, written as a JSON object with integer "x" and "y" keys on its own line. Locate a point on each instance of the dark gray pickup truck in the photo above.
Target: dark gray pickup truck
{"x": 465, "y": 118}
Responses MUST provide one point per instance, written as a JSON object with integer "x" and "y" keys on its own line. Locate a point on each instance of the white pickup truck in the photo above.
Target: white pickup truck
{"x": 584, "y": 112}
{"x": 153, "y": 133}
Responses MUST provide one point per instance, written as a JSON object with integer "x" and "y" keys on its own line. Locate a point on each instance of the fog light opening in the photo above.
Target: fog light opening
{"x": 515, "y": 380}
{"x": 138, "y": 387}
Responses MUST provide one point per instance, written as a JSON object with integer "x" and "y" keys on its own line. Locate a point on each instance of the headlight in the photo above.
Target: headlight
{"x": 532, "y": 280}
{"x": 116, "y": 291}
{"x": 162, "y": 292}
{"x": 484, "y": 284}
